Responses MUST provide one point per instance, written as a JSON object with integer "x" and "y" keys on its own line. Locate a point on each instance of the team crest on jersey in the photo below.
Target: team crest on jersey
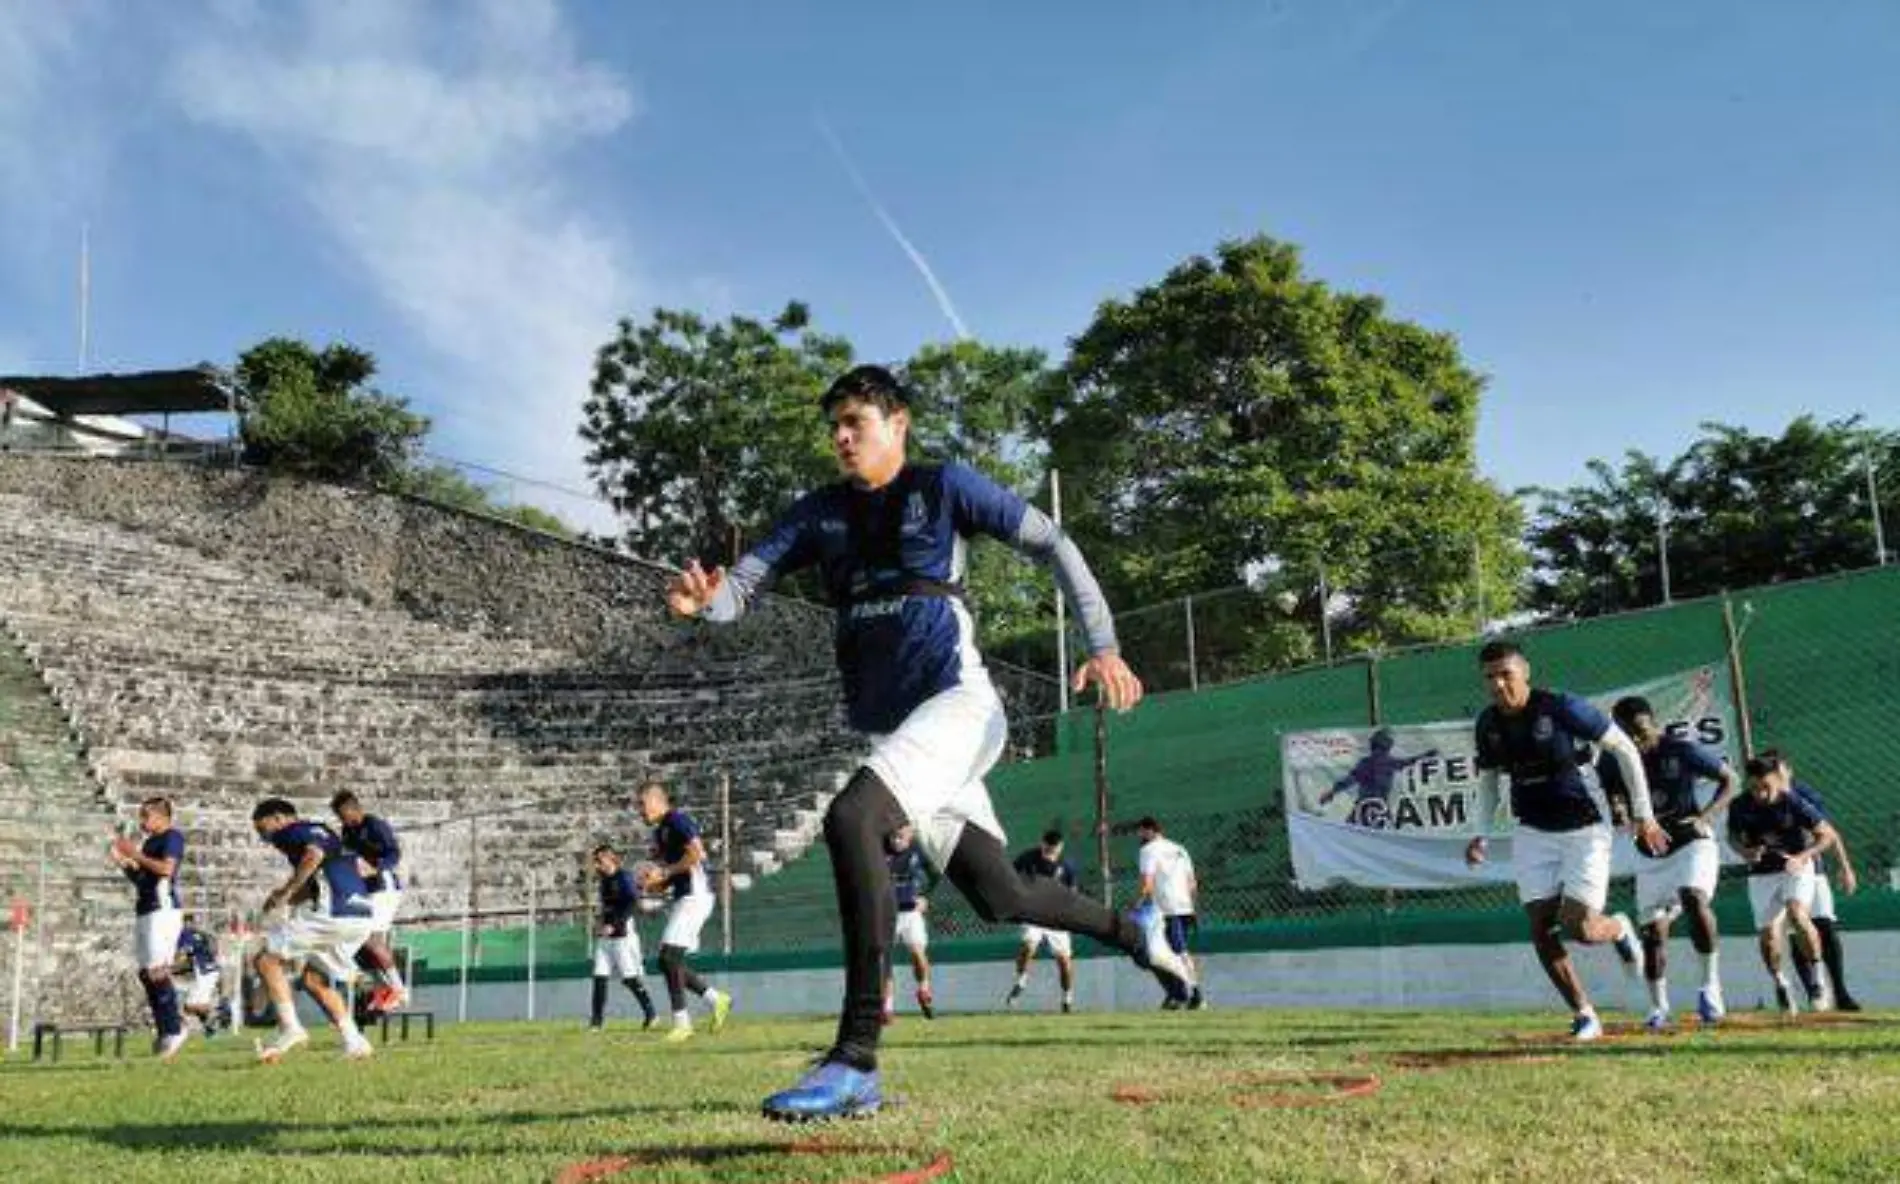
{"x": 1544, "y": 729}
{"x": 1671, "y": 768}
{"x": 915, "y": 518}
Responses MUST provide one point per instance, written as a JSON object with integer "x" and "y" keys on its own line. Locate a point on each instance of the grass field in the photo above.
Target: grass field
{"x": 1187, "y": 1097}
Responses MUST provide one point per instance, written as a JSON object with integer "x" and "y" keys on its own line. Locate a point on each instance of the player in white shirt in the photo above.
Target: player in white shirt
{"x": 1168, "y": 886}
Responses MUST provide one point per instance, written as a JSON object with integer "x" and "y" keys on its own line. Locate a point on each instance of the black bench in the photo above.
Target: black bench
{"x": 98, "y": 1032}
{"x": 427, "y": 1018}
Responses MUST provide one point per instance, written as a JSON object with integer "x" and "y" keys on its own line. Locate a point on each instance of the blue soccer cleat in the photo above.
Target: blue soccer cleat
{"x": 832, "y": 1090}
{"x": 1586, "y": 1027}
{"x": 1657, "y": 1023}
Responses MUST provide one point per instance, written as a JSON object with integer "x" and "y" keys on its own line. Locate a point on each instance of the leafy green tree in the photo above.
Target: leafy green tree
{"x": 313, "y": 412}
{"x": 447, "y": 486}
{"x": 1734, "y": 510}
{"x": 1241, "y": 422}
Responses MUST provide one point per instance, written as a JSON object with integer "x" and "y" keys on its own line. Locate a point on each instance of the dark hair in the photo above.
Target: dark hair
{"x": 1051, "y": 837}
{"x": 273, "y": 808}
{"x": 1498, "y": 651}
{"x": 343, "y": 798}
{"x": 606, "y": 849}
{"x": 1764, "y": 763}
{"x": 655, "y": 785}
{"x": 162, "y": 804}
{"x": 1629, "y": 709}
{"x": 1149, "y": 822}
{"x": 871, "y": 384}
{"x": 1774, "y": 757}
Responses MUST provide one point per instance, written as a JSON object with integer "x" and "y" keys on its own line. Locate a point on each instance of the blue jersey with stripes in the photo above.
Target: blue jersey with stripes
{"x": 374, "y": 841}
{"x": 892, "y": 561}
{"x": 1673, "y": 768}
{"x": 156, "y": 892}
{"x": 1540, "y": 748}
{"x": 338, "y": 887}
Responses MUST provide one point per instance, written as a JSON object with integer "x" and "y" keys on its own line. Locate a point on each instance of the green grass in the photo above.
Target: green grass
{"x": 1010, "y": 1098}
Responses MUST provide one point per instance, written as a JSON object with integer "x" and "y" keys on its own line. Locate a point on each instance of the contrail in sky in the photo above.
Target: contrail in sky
{"x": 890, "y": 224}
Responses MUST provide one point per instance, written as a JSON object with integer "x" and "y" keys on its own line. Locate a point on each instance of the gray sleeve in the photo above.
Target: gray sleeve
{"x": 745, "y": 583}
{"x": 1042, "y": 540}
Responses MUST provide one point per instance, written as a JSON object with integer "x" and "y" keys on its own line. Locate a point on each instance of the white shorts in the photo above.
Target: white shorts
{"x": 1659, "y": 882}
{"x": 1770, "y": 896}
{"x": 935, "y": 761}
{"x": 1823, "y": 907}
{"x": 685, "y": 917}
{"x": 202, "y": 991}
{"x": 383, "y": 907}
{"x": 617, "y": 956}
{"x": 1034, "y": 936}
{"x": 1568, "y": 863}
{"x": 912, "y": 933}
{"x": 318, "y": 939}
{"x": 155, "y": 937}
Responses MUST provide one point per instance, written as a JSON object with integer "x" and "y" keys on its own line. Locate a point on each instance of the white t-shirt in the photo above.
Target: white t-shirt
{"x": 1173, "y": 871}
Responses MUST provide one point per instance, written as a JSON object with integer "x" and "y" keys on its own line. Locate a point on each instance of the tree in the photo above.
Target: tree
{"x": 1736, "y": 509}
{"x": 447, "y": 486}
{"x": 313, "y": 413}
{"x": 1239, "y": 422}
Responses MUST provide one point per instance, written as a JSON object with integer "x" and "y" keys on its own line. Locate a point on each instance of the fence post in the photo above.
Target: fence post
{"x": 725, "y": 862}
{"x": 1101, "y": 798}
{"x": 1477, "y": 579}
{"x": 1374, "y": 709}
{"x": 1194, "y": 672}
{"x": 468, "y": 932}
{"x": 17, "y": 919}
{"x": 1662, "y": 545}
{"x": 534, "y": 878}
{"x": 1873, "y": 506}
{"x": 1738, "y": 677}
{"x": 1062, "y": 624}
{"x": 1325, "y": 618}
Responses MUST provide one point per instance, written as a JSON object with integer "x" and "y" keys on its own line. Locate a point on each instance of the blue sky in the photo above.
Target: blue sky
{"x": 1636, "y": 217}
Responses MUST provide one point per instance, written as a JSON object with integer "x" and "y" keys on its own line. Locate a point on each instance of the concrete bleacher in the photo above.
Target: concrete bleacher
{"x": 180, "y": 641}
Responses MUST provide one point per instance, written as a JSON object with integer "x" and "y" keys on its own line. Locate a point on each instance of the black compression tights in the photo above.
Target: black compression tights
{"x": 857, "y": 824}
{"x": 681, "y": 978}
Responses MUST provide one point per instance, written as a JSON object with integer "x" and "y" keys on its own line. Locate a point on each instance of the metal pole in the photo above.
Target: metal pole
{"x": 1374, "y": 709}
{"x": 468, "y": 931}
{"x": 533, "y": 919}
{"x": 1194, "y": 670}
{"x": 1873, "y": 504}
{"x": 19, "y": 979}
{"x": 1477, "y": 579}
{"x": 1662, "y": 545}
{"x": 1738, "y": 677}
{"x": 1101, "y": 799}
{"x": 725, "y": 862}
{"x": 85, "y": 296}
{"x": 1062, "y": 622}
{"x": 1325, "y": 617}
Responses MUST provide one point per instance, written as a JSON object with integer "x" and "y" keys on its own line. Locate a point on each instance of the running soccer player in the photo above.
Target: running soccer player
{"x": 616, "y": 941}
{"x": 152, "y": 866}
{"x": 910, "y": 880}
{"x": 681, "y": 854}
{"x": 1168, "y": 885}
{"x": 1371, "y": 781}
{"x": 1681, "y": 880}
{"x": 1561, "y": 845}
{"x": 889, "y": 541}
{"x": 1826, "y": 920}
{"x": 327, "y": 919}
{"x": 198, "y": 957}
{"x": 1780, "y": 836}
{"x": 1045, "y": 862}
{"x": 373, "y": 841}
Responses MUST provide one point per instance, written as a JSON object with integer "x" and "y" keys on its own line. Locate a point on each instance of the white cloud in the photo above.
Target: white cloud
{"x": 429, "y": 142}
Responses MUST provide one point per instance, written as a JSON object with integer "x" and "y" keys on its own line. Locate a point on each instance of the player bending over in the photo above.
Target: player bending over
{"x": 1681, "y": 881}
{"x": 373, "y": 841}
{"x": 889, "y": 543}
{"x": 616, "y": 941}
{"x": 152, "y": 866}
{"x": 1046, "y": 862}
{"x": 1560, "y": 849}
{"x": 910, "y": 881}
{"x": 327, "y": 918}
{"x": 1779, "y": 836}
{"x": 680, "y": 853}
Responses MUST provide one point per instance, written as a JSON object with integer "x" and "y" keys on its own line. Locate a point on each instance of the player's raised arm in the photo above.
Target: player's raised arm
{"x": 983, "y": 506}
{"x": 723, "y": 597}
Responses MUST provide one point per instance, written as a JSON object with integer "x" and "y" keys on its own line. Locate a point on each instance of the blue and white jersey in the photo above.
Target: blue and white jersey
{"x": 910, "y": 877}
{"x": 1779, "y": 828}
{"x": 374, "y": 842}
{"x": 197, "y": 947}
{"x": 156, "y": 892}
{"x": 1033, "y": 863}
{"x": 671, "y": 838}
{"x": 618, "y": 898}
{"x": 1673, "y": 768}
{"x": 1812, "y": 797}
{"x": 1537, "y": 747}
{"x": 892, "y": 562}
{"x": 337, "y": 889}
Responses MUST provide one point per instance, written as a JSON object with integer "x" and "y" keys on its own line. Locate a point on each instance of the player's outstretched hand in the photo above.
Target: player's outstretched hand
{"x": 1651, "y": 837}
{"x": 1121, "y": 690}
{"x": 692, "y": 590}
{"x": 1475, "y": 851}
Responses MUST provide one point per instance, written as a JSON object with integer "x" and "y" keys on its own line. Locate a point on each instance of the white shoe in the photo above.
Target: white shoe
{"x": 285, "y": 1040}
{"x": 1629, "y": 948}
{"x": 358, "y": 1048}
{"x": 1586, "y": 1027}
{"x": 167, "y": 1047}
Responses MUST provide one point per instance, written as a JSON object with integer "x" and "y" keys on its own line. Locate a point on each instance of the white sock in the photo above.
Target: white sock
{"x": 1588, "y": 1009}
{"x": 392, "y": 978}
{"x": 1659, "y": 994}
{"x": 711, "y": 996}
{"x": 348, "y": 1030}
{"x": 1022, "y": 981}
{"x": 1068, "y": 997}
{"x": 289, "y": 1027}
{"x": 1781, "y": 980}
{"x": 682, "y": 1019}
{"x": 1711, "y": 967}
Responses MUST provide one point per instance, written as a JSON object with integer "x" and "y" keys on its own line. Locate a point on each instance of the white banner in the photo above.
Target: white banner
{"x": 1394, "y": 807}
